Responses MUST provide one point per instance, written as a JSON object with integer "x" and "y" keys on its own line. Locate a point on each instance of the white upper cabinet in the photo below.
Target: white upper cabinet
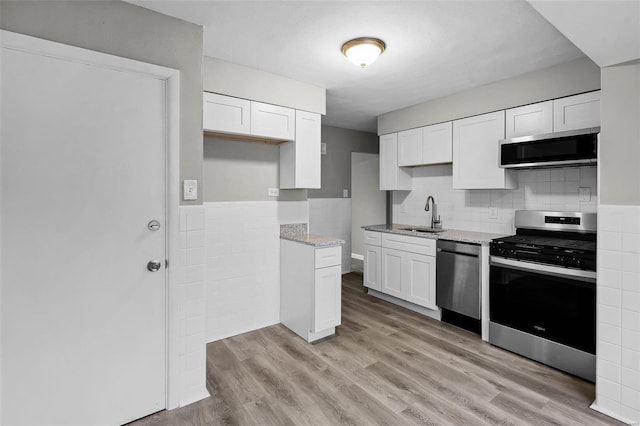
{"x": 392, "y": 177}
{"x": 272, "y": 121}
{"x": 576, "y": 112}
{"x": 426, "y": 145}
{"x": 437, "y": 143}
{"x": 300, "y": 158}
{"x": 410, "y": 147}
{"x": 475, "y": 153}
{"x": 534, "y": 119}
{"x": 226, "y": 114}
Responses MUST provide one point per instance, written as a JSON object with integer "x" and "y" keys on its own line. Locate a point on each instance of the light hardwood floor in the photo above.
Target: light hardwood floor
{"x": 387, "y": 365}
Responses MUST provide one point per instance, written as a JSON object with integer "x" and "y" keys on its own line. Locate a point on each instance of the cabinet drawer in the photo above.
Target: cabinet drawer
{"x": 329, "y": 256}
{"x": 372, "y": 238}
{"x": 411, "y": 244}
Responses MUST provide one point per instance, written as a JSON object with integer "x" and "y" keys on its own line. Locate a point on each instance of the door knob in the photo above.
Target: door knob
{"x": 154, "y": 265}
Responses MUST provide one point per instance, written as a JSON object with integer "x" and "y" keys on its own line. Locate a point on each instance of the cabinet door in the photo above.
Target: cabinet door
{"x": 535, "y": 119}
{"x": 576, "y": 112}
{"x": 225, "y": 114}
{"x": 271, "y": 121}
{"x": 475, "y": 153}
{"x": 420, "y": 281}
{"x": 392, "y": 177}
{"x": 436, "y": 143}
{"x": 307, "y": 146}
{"x": 410, "y": 147}
{"x": 327, "y": 298}
{"x": 372, "y": 266}
{"x": 393, "y": 266}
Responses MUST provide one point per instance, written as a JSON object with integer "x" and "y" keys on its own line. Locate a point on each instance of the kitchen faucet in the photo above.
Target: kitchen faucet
{"x": 435, "y": 218}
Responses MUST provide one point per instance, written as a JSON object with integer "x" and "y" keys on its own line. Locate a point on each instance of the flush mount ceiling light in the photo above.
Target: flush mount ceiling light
{"x": 363, "y": 51}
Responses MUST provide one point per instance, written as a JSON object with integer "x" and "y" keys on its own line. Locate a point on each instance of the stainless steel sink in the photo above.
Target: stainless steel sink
{"x": 421, "y": 229}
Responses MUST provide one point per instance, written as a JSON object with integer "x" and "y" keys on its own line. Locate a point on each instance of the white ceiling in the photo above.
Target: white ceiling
{"x": 434, "y": 48}
{"x": 607, "y": 31}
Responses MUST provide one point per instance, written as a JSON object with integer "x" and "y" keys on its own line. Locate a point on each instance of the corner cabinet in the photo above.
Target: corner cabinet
{"x": 310, "y": 289}
{"x": 392, "y": 177}
{"x": 475, "y": 153}
{"x": 300, "y": 158}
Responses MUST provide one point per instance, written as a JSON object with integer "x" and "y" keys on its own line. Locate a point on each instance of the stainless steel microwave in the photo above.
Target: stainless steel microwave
{"x": 571, "y": 148}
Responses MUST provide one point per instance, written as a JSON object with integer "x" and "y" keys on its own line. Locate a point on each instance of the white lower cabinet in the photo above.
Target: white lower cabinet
{"x": 373, "y": 266}
{"x": 310, "y": 289}
{"x": 421, "y": 279}
{"x": 402, "y": 267}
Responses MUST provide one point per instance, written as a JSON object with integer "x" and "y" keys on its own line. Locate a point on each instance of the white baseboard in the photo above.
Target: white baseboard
{"x": 194, "y": 398}
{"x": 357, "y": 256}
{"x": 611, "y": 414}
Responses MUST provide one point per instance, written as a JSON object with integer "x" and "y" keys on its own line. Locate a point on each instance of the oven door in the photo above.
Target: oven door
{"x": 552, "y": 302}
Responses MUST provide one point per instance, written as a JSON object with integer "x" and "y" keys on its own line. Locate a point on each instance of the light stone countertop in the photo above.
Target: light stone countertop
{"x": 445, "y": 234}
{"x": 313, "y": 240}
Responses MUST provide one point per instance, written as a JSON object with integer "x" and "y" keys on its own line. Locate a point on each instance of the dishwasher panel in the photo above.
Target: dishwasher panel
{"x": 458, "y": 278}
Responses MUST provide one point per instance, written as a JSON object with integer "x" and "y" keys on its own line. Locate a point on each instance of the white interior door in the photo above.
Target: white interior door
{"x": 82, "y": 173}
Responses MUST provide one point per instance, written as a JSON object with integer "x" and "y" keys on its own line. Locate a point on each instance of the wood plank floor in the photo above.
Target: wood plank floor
{"x": 386, "y": 366}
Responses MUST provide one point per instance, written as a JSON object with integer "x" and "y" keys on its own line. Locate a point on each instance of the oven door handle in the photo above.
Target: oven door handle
{"x": 557, "y": 271}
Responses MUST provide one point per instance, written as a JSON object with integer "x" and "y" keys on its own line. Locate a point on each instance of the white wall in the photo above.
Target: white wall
{"x": 331, "y": 217}
{"x": 240, "y": 81}
{"x": 548, "y": 189}
{"x": 243, "y": 263}
{"x": 368, "y": 203}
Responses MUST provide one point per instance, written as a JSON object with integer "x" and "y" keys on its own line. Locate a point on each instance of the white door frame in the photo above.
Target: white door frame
{"x": 171, "y": 77}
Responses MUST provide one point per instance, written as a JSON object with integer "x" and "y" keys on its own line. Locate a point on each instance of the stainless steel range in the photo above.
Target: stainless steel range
{"x": 542, "y": 299}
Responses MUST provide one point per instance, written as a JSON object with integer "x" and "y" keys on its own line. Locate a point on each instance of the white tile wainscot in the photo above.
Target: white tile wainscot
{"x": 243, "y": 263}
{"x": 190, "y": 275}
{"x": 332, "y": 217}
{"x": 618, "y": 313}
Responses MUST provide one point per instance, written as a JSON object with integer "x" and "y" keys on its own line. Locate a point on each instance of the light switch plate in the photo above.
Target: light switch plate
{"x": 323, "y": 148}
{"x": 345, "y": 193}
{"x": 273, "y": 192}
{"x": 584, "y": 194}
{"x": 190, "y": 190}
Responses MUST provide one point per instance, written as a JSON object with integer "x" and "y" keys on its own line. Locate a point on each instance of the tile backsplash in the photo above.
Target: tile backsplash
{"x": 492, "y": 210}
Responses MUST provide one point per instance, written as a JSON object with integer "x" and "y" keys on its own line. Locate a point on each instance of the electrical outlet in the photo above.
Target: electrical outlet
{"x": 273, "y": 192}
{"x": 190, "y": 190}
{"x": 345, "y": 193}
{"x": 403, "y": 207}
{"x": 585, "y": 195}
{"x": 493, "y": 212}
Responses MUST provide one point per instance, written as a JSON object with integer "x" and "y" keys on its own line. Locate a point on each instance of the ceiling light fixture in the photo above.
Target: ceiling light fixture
{"x": 363, "y": 51}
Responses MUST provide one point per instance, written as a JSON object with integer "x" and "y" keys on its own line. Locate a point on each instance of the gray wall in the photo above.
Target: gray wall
{"x": 129, "y": 31}
{"x": 243, "y": 82}
{"x": 336, "y": 165}
{"x": 368, "y": 203}
{"x": 570, "y": 78}
{"x": 620, "y": 135}
{"x": 243, "y": 171}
